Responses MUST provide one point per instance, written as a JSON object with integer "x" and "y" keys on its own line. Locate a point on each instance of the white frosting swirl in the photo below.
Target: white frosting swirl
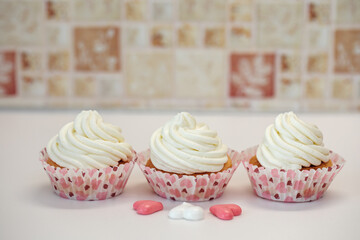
{"x": 88, "y": 142}
{"x": 292, "y": 144}
{"x": 185, "y": 146}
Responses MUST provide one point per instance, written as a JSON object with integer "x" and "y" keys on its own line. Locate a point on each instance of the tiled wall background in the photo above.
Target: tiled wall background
{"x": 244, "y": 54}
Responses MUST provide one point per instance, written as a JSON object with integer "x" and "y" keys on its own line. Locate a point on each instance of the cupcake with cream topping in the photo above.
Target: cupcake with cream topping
{"x": 291, "y": 143}
{"x": 291, "y": 164}
{"x": 88, "y": 159}
{"x": 187, "y": 160}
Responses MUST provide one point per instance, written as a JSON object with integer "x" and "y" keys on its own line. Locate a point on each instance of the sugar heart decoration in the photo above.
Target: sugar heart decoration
{"x": 187, "y": 211}
{"x": 146, "y": 207}
{"x": 225, "y": 211}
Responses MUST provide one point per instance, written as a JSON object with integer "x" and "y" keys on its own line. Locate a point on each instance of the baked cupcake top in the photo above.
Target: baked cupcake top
{"x": 185, "y": 146}
{"x": 290, "y": 143}
{"x": 88, "y": 142}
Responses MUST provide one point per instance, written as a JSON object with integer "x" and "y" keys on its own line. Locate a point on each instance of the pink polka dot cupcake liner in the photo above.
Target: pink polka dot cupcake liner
{"x": 188, "y": 188}
{"x": 87, "y": 184}
{"x": 290, "y": 185}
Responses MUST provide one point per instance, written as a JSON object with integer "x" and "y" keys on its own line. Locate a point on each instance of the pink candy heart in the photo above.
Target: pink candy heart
{"x": 225, "y": 211}
{"x": 146, "y": 207}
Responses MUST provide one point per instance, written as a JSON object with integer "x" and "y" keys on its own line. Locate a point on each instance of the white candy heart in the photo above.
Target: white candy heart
{"x": 187, "y": 211}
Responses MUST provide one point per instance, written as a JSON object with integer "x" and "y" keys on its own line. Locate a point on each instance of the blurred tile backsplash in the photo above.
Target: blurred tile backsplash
{"x": 257, "y": 55}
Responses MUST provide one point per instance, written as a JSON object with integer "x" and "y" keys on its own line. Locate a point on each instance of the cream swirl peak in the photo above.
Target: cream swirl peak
{"x": 186, "y": 146}
{"x": 88, "y": 142}
{"x": 290, "y": 143}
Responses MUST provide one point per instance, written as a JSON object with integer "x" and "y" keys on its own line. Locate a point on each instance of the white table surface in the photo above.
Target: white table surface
{"x": 30, "y": 210}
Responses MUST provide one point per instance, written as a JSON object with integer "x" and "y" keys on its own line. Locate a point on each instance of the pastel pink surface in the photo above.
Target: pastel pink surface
{"x": 226, "y": 211}
{"x": 146, "y": 207}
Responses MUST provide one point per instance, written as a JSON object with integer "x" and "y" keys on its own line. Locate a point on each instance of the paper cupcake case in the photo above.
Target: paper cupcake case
{"x": 188, "y": 188}
{"x": 290, "y": 185}
{"x": 87, "y": 184}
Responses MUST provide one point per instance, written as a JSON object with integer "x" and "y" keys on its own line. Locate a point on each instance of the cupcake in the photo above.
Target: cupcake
{"x": 187, "y": 161}
{"x": 88, "y": 159}
{"x": 291, "y": 164}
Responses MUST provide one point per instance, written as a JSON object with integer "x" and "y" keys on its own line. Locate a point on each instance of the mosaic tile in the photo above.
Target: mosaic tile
{"x": 33, "y": 86}
{"x": 58, "y": 35}
{"x": 347, "y": 51}
{"x": 241, "y": 103}
{"x": 274, "y": 105}
{"x": 21, "y": 23}
{"x": 163, "y": 11}
{"x": 290, "y": 63}
{"x": 7, "y": 74}
{"x": 149, "y": 75}
{"x": 188, "y": 35}
{"x": 31, "y": 60}
{"x": 241, "y": 11}
{"x": 319, "y": 12}
{"x": 200, "y": 74}
{"x": 162, "y": 36}
{"x": 59, "y": 61}
{"x": 91, "y": 10}
{"x": 136, "y": 36}
{"x": 314, "y": 88}
{"x": 57, "y": 10}
{"x": 240, "y": 37}
{"x": 202, "y": 10}
{"x": 319, "y": 38}
{"x": 84, "y": 86}
{"x": 272, "y": 16}
{"x": 348, "y": 12}
{"x": 214, "y": 37}
{"x": 58, "y": 86}
{"x": 136, "y": 10}
{"x": 97, "y": 49}
{"x": 317, "y": 63}
{"x": 316, "y": 105}
{"x": 110, "y": 86}
{"x": 342, "y": 88}
{"x": 290, "y": 88}
{"x": 337, "y": 105}
{"x": 258, "y": 55}
{"x": 252, "y": 75}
